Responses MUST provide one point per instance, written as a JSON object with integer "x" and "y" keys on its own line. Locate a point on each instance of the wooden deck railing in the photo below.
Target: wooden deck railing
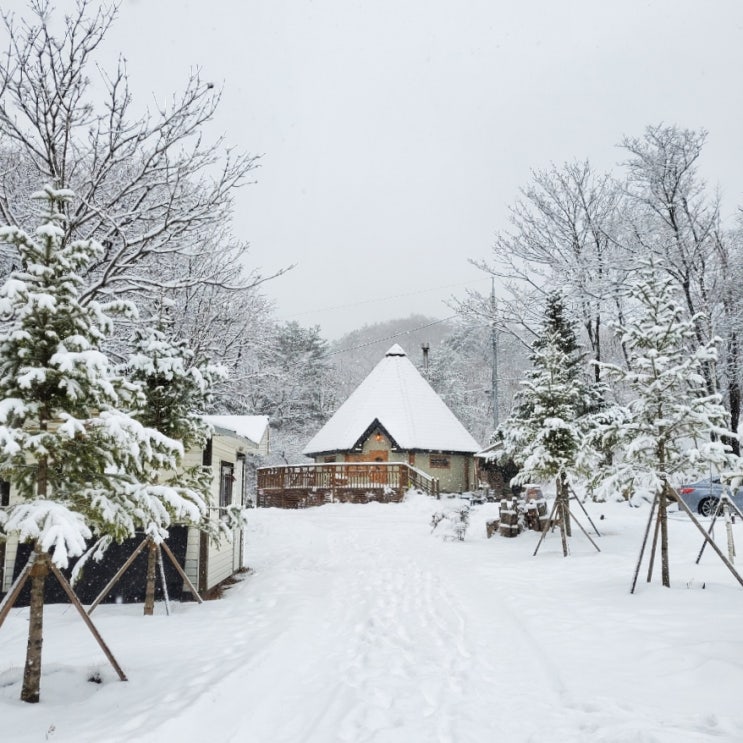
{"x": 301, "y": 485}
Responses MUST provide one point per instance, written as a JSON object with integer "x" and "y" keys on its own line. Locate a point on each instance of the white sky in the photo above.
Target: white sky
{"x": 395, "y": 133}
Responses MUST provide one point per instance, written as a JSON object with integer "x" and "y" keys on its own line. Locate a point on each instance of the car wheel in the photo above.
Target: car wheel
{"x": 707, "y": 506}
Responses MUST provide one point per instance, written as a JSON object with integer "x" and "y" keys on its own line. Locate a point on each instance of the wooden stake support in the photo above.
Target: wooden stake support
{"x": 89, "y": 623}
{"x": 182, "y": 573}
{"x": 724, "y": 506}
{"x": 17, "y": 587}
{"x": 15, "y": 590}
{"x": 707, "y": 539}
{"x": 147, "y": 541}
{"x": 583, "y": 508}
{"x": 561, "y": 510}
{"x": 102, "y": 595}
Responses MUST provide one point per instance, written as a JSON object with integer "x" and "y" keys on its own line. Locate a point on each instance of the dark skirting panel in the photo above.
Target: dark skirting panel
{"x": 131, "y": 587}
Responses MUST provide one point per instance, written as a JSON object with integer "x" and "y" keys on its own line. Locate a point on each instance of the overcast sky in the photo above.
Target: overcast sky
{"x": 395, "y": 133}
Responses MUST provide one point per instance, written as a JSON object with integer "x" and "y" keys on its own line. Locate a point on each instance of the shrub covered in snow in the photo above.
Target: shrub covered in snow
{"x": 452, "y": 523}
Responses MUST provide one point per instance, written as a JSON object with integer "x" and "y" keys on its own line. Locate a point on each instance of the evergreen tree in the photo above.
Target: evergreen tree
{"x": 544, "y": 432}
{"x": 176, "y": 389}
{"x": 79, "y": 462}
{"x": 671, "y": 427}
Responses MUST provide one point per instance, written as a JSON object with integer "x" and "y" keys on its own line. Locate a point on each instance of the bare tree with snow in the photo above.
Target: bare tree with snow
{"x": 151, "y": 187}
{"x": 674, "y": 217}
{"x": 563, "y": 233}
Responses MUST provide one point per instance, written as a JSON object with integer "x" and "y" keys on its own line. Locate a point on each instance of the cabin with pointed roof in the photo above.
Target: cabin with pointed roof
{"x": 395, "y": 416}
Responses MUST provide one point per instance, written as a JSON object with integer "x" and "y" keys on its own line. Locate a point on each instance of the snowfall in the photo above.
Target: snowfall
{"x": 356, "y": 623}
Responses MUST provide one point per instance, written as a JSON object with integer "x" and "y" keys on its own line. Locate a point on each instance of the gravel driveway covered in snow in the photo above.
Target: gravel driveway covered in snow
{"x": 357, "y": 624}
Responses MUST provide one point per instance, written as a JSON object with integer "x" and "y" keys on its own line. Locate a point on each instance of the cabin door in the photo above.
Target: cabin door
{"x": 377, "y": 475}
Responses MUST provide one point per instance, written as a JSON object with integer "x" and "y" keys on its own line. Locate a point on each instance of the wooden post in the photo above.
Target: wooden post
{"x": 562, "y": 517}
{"x": 665, "y": 572}
{"x": 562, "y": 494}
{"x": 149, "y": 594}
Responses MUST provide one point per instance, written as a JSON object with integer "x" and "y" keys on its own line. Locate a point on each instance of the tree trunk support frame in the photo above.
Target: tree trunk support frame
{"x": 658, "y": 526}
{"x": 150, "y": 543}
{"x": 15, "y": 591}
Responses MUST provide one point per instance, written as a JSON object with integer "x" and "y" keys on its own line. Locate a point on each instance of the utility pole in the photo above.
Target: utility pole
{"x": 425, "y": 347}
{"x": 494, "y": 340}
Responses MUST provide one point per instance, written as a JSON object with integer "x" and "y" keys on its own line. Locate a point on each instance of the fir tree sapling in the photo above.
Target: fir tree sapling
{"x": 176, "y": 389}
{"x": 544, "y": 433}
{"x": 672, "y": 426}
{"x": 79, "y": 462}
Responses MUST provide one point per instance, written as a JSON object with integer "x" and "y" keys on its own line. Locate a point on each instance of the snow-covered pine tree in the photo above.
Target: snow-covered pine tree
{"x": 671, "y": 427}
{"x": 543, "y": 434}
{"x": 78, "y": 462}
{"x": 175, "y": 389}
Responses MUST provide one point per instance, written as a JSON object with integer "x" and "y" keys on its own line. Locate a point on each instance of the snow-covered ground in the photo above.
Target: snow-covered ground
{"x": 357, "y": 624}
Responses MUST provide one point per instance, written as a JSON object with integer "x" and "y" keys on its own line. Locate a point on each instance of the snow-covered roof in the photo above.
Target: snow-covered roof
{"x": 252, "y": 427}
{"x": 401, "y": 400}
{"x": 492, "y": 451}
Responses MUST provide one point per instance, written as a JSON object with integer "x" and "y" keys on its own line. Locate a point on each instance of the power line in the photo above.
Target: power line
{"x": 388, "y": 337}
{"x": 381, "y": 299}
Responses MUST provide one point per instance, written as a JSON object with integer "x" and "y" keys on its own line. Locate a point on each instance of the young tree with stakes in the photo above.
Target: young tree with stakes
{"x": 672, "y": 426}
{"x": 78, "y": 461}
{"x": 543, "y": 434}
{"x": 175, "y": 388}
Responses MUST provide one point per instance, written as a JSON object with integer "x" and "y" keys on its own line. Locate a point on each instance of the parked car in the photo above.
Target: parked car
{"x": 704, "y": 495}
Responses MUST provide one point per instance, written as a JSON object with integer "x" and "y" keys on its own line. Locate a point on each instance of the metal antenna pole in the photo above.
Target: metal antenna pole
{"x": 494, "y": 340}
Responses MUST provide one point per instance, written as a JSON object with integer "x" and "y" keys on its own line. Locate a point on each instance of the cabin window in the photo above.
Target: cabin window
{"x": 329, "y": 459}
{"x": 439, "y": 461}
{"x": 206, "y": 456}
{"x": 226, "y": 480}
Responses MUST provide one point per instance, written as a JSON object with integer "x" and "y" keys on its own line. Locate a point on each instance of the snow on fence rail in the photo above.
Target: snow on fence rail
{"x": 301, "y": 485}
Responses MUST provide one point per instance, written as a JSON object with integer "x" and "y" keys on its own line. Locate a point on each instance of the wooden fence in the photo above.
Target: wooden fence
{"x": 303, "y": 485}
